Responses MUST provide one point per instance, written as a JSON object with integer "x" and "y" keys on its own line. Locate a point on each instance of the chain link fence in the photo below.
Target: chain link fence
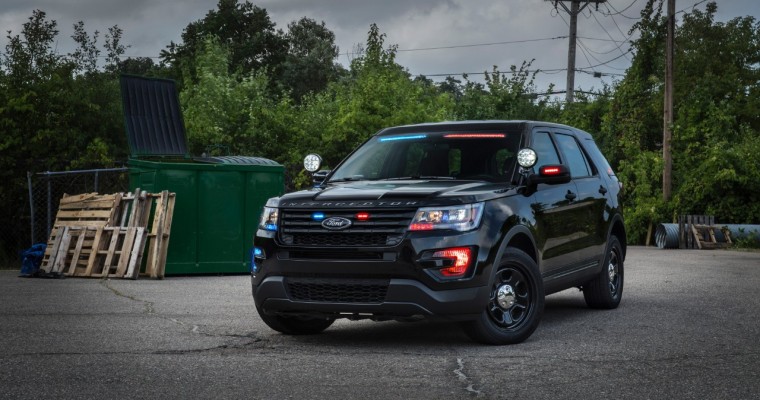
{"x": 36, "y": 216}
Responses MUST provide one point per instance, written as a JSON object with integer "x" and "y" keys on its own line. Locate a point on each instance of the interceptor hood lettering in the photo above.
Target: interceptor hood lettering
{"x": 411, "y": 193}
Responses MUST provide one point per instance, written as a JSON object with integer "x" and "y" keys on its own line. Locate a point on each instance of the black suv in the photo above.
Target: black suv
{"x": 469, "y": 221}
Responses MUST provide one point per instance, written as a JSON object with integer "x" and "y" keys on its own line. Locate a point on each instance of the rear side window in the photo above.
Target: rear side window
{"x": 576, "y": 161}
{"x": 598, "y": 157}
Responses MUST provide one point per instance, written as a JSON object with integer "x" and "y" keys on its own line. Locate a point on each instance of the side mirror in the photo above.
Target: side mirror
{"x": 550, "y": 174}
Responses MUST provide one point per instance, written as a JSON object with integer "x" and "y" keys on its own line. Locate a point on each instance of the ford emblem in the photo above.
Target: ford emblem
{"x": 336, "y": 223}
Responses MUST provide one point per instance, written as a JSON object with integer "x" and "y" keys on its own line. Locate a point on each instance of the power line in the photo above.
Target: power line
{"x": 595, "y": 73}
{"x": 610, "y": 13}
{"x": 609, "y": 61}
{"x": 549, "y": 71}
{"x": 607, "y": 32}
{"x": 483, "y": 44}
{"x": 469, "y": 45}
{"x": 502, "y": 72}
{"x": 600, "y": 52}
{"x": 576, "y": 7}
{"x": 587, "y": 52}
{"x": 692, "y": 6}
{"x": 623, "y": 10}
{"x": 601, "y": 40}
{"x": 628, "y": 36}
{"x": 582, "y": 46}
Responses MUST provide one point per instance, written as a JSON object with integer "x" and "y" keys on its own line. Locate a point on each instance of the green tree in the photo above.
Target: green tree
{"x": 504, "y": 95}
{"x": 243, "y": 28}
{"x": 310, "y": 63}
{"x": 715, "y": 130}
{"x": 222, "y": 106}
{"x": 717, "y": 127}
{"x": 56, "y": 113}
{"x": 380, "y": 94}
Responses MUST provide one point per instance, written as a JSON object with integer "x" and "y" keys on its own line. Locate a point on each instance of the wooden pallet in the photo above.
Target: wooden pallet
{"x": 93, "y": 240}
{"x": 704, "y": 236}
{"x": 686, "y": 237}
{"x": 158, "y": 239}
{"x": 84, "y": 210}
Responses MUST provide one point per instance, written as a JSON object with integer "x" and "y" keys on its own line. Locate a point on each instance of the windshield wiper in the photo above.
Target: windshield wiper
{"x": 348, "y": 179}
{"x": 429, "y": 177}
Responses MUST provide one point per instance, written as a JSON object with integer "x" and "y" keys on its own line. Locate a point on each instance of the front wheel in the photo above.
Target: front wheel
{"x": 296, "y": 325}
{"x": 516, "y": 303}
{"x": 606, "y": 289}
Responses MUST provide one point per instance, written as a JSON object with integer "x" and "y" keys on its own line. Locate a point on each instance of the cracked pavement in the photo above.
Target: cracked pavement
{"x": 687, "y": 328}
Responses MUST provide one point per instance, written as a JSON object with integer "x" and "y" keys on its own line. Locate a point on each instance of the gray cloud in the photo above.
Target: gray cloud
{"x": 149, "y": 26}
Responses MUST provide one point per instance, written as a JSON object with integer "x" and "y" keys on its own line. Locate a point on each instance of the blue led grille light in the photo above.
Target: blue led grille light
{"x": 318, "y": 216}
{"x": 402, "y": 137}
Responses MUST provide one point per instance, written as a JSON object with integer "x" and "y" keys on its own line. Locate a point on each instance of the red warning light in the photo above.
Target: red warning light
{"x": 474, "y": 136}
{"x": 461, "y": 257}
{"x": 362, "y": 216}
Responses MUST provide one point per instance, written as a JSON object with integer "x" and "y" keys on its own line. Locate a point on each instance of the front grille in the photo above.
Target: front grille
{"x": 335, "y": 255}
{"x": 383, "y": 228}
{"x": 337, "y": 239}
{"x": 337, "y": 290}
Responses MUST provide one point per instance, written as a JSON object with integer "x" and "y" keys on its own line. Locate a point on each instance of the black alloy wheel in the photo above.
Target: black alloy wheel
{"x": 606, "y": 290}
{"x": 516, "y": 302}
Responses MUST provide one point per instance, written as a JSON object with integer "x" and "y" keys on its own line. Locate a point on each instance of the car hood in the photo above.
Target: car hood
{"x": 395, "y": 194}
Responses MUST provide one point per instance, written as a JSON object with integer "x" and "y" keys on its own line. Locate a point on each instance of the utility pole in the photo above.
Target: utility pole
{"x": 667, "y": 135}
{"x": 576, "y": 6}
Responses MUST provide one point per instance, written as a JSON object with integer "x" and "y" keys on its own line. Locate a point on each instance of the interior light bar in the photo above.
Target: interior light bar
{"x": 474, "y": 136}
{"x": 402, "y": 137}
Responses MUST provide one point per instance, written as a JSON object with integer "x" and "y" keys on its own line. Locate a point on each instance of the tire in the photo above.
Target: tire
{"x": 606, "y": 289}
{"x": 296, "y": 325}
{"x": 516, "y": 316}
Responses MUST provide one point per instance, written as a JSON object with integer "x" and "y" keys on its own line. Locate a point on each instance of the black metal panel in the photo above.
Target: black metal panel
{"x": 338, "y": 290}
{"x": 152, "y": 117}
{"x": 385, "y": 227}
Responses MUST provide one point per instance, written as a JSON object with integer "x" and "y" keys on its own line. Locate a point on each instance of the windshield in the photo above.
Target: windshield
{"x": 486, "y": 156}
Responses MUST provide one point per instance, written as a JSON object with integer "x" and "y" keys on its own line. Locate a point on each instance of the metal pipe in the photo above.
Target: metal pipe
{"x": 83, "y": 171}
{"x": 739, "y": 231}
{"x": 49, "y": 205}
{"x": 31, "y": 206}
{"x": 666, "y": 236}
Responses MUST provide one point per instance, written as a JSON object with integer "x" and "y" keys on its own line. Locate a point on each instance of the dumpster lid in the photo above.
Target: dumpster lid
{"x": 240, "y": 160}
{"x": 152, "y": 117}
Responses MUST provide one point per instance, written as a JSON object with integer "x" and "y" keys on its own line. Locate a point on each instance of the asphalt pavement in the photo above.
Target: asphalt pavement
{"x": 688, "y": 327}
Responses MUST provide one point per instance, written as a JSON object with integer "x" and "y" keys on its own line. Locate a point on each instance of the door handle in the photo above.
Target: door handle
{"x": 602, "y": 189}
{"x": 570, "y": 195}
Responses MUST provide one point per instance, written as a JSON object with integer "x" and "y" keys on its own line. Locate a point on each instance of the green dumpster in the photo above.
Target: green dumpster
{"x": 218, "y": 199}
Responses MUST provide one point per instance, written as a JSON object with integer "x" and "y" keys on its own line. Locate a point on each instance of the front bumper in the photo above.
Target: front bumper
{"x": 408, "y": 288}
{"x": 405, "y": 298}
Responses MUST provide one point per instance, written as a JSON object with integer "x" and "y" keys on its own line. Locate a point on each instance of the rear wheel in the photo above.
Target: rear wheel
{"x": 515, "y": 305}
{"x": 296, "y": 325}
{"x": 606, "y": 289}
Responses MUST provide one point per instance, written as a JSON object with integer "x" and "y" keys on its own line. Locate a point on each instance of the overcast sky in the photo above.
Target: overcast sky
{"x": 477, "y": 34}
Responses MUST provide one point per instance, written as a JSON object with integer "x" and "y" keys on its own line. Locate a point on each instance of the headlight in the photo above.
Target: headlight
{"x": 459, "y": 218}
{"x": 269, "y": 219}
